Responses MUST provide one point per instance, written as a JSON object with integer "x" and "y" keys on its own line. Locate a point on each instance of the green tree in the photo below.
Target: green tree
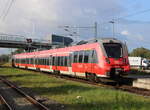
{"x": 141, "y": 52}
{"x": 4, "y": 58}
{"x": 18, "y": 51}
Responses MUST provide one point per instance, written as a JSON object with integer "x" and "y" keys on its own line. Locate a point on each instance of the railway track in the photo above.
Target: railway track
{"x": 13, "y": 98}
{"x": 123, "y": 87}
{"x": 4, "y": 104}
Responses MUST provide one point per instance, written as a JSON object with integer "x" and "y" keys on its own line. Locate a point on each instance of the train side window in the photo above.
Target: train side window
{"x": 86, "y": 56}
{"x": 70, "y": 59}
{"x": 44, "y": 61}
{"x": 50, "y": 60}
{"x": 47, "y": 61}
{"x": 62, "y": 61}
{"x": 40, "y": 62}
{"x": 58, "y": 61}
{"x": 65, "y": 60}
{"x": 75, "y": 57}
{"x": 94, "y": 57}
{"x": 35, "y": 62}
{"x": 80, "y": 56}
{"x": 26, "y": 61}
{"x": 53, "y": 60}
{"x": 31, "y": 62}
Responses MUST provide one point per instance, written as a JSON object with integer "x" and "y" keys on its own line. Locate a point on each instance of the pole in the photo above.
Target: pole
{"x": 113, "y": 29}
{"x": 95, "y": 27}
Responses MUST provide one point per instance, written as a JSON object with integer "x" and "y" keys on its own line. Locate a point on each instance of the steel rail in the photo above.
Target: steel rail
{"x": 128, "y": 88}
{"x": 29, "y": 98}
{"x": 4, "y": 102}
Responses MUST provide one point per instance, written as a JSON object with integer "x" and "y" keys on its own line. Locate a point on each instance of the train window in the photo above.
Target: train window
{"x": 30, "y": 60}
{"x": 113, "y": 50}
{"x": 26, "y": 61}
{"x": 86, "y": 56}
{"x": 65, "y": 60}
{"x": 39, "y": 61}
{"x": 53, "y": 60}
{"x": 44, "y": 61}
{"x": 50, "y": 60}
{"x": 58, "y": 61}
{"x": 94, "y": 57}
{"x": 47, "y": 61}
{"x": 80, "y": 56}
{"x": 75, "y": 57}
{"x": 35, "y": 61}
{"x": 70, "y": 59}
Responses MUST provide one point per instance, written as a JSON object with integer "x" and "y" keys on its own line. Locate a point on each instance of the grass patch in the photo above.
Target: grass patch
{"x": 75, "y": 95}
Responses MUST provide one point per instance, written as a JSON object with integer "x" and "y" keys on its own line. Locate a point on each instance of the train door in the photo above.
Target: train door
{"x": 50, "y": 63}
{"x": 87, "y": 61}
{"x": 93, "y": 61}
{"x": 54, "y": 62}
{"x": 69, "y": 64}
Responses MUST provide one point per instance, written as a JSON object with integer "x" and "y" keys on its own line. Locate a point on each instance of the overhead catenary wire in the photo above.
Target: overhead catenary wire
{"x": 4, "y": 7}
{"x": 7, "y": 10}
{"x": 133, "y": 14}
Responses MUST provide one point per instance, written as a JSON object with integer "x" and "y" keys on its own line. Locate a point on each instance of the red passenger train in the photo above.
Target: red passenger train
{"x": 105, "y": 57}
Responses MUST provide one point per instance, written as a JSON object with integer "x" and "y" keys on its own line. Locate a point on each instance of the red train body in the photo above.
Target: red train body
{"x": 101, "y": 58}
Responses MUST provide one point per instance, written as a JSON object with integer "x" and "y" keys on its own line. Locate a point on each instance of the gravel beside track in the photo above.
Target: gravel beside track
{"x": 17, "y": 101}
{"x": 3, "y": 104}
{"x": 22, "y": 101}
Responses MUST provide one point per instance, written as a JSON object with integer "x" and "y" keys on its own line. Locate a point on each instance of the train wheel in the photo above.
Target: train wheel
{"x": 38, "y": 69}
{"x": 92, "y": 77}
{"x": 56, "y": 72}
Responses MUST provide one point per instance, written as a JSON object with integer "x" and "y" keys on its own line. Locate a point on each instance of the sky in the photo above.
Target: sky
{"x": 41, "y": 18}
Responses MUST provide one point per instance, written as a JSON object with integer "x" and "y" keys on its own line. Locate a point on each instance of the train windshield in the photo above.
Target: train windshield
{"x": 113, "y": 50}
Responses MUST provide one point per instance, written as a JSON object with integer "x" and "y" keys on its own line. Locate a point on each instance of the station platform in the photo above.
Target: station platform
{"x": 140, "y": 81}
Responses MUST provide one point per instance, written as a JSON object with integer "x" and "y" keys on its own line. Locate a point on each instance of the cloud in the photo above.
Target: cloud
{"x": 39, "y": 18}
{"x": 125, "y": 32}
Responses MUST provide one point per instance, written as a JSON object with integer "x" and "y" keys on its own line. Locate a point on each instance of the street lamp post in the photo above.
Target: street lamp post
{"x": 113, "y": 27}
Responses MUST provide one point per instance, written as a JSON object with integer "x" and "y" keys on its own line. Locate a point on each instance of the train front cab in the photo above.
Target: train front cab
{"x": 115, "y": 58}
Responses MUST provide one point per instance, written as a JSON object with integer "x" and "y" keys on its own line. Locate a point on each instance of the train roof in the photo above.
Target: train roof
{"x": 101, "y": 40}
{"x": 90, "y": 42}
